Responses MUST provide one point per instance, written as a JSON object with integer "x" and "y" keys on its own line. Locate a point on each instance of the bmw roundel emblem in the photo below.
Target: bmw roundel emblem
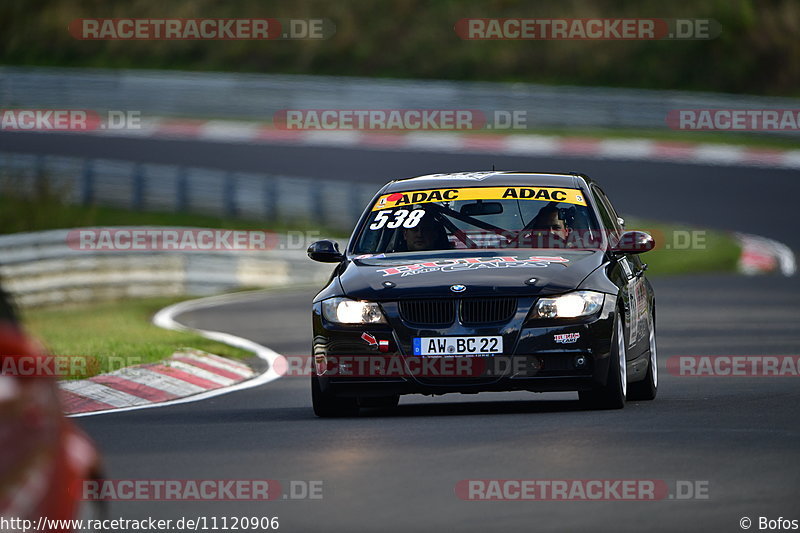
{"x": 458, "y": 288}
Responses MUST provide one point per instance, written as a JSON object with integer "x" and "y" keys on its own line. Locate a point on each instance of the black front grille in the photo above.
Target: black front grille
{"x": 472, "y": 311}
{"x": 430, "y": 312}
{"x": 487, "y": 310}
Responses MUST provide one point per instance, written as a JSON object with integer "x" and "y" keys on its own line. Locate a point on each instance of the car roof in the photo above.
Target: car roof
{"x": 488, "y": 179}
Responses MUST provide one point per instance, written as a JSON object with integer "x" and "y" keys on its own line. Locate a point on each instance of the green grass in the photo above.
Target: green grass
{"x": 116, "y": 334}
{"x": 687, "y": 250}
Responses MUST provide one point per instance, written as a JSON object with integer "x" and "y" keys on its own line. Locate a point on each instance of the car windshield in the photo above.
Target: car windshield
{"x": 479, "y": 218}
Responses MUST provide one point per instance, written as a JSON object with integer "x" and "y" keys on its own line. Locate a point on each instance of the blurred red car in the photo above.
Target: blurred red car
{"x": 44, "y": 455}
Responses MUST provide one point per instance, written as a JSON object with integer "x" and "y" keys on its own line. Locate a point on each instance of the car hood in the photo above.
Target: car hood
{"x": 481, "y": 273}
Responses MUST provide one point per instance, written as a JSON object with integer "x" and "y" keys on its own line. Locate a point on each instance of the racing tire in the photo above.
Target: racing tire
{"x": 613, "y": 394}
{"x": 328, "y": 405}
{"x": 647, "y": 388}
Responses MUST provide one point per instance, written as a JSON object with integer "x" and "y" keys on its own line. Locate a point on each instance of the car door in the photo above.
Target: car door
{"x": 634, "y": 293}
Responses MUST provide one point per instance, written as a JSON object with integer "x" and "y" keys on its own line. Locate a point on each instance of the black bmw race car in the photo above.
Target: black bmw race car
{"x": 485, "y": 281}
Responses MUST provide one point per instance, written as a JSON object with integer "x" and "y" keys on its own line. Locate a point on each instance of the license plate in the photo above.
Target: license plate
{"x": 451, "y": 346}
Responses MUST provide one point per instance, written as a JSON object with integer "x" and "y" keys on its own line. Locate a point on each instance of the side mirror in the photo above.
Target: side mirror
{"x": 325, "y": 252}
{"x": 634, "y": 242}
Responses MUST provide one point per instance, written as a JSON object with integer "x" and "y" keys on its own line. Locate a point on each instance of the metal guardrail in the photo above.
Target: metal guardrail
{"x": 152, "y": 187}
{"x": 40, "y": 268}
{"x": 260, "y": 96}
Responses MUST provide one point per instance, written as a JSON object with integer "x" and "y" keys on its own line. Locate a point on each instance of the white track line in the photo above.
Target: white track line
{"x": 166, "y": 319}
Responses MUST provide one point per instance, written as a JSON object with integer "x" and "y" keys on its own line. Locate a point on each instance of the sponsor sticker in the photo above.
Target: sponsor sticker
{"x": 381, "y": 344}
{"x": 566, "y": 338}
{"x": 471, "y": 263}
{"x": 369, "y": 339}
{"x": 549, "y": 194}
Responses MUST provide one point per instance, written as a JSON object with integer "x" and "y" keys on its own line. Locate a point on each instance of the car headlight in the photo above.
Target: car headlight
{"x": 347, "y": 311}
{"x": 570, "y": 305}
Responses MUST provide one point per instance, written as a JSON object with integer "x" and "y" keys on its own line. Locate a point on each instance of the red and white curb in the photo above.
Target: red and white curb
{"x": 508, "y": 144}
{"x": 188, "y": 376}
{"x": 187, "y": 372}
{"x": 761, "y": 255}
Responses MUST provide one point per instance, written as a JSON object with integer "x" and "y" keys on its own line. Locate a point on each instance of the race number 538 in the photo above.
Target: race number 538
{"x": 402, "y": 217}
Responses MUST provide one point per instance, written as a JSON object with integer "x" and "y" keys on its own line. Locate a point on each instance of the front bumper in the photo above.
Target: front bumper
{"x": 539, "y": 356}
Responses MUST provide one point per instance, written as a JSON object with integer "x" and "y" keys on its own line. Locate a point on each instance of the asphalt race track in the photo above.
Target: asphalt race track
{"x": 397, "y": 471}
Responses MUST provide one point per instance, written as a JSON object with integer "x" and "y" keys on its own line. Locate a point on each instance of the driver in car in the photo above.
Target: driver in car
{"x": 428, "y": 234}
{"x": 549, "y": 229}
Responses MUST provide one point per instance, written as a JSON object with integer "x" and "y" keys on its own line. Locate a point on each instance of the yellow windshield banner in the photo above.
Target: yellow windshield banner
{"x": 548, "y": 194}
